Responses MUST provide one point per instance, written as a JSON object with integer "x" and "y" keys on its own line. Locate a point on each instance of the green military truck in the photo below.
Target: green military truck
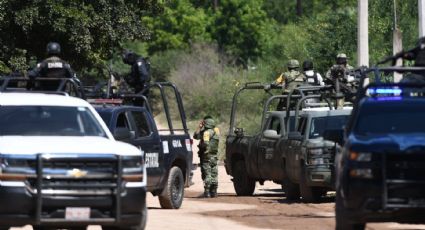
{"x": 292, "y": 152}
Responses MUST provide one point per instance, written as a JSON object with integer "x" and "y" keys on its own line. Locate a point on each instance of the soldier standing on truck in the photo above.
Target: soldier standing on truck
{"x": 292, "y": 78}
{"x": 289, "y": 80}
{"x": 53, "y": 66}
{"x": 312, "y": 77}
{"x": 139, "y": 77}
{"x": 208, "y": 135}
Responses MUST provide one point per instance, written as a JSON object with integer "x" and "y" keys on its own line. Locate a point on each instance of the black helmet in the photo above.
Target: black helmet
{"x": 129, "y": 57}
{"x": 307, "y": 65}
{"x": 53, "y": 48}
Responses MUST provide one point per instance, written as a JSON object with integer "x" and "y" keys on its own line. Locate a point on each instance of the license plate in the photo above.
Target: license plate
{"x": 82, "y": 213}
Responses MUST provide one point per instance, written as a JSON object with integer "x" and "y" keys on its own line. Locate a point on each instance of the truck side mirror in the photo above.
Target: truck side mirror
{"x": 239, "y": 132}
{"x": 271, "y": 134}
{"x": 122, "y": 133}
{"x": 295, "y": 136}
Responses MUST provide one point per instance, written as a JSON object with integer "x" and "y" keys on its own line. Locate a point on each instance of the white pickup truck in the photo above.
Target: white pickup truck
{"x": 60, "y": 167}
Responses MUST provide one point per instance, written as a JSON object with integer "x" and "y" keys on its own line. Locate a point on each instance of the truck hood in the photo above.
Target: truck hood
{"x": 412, "y": 142}
{"x": 74, "y": 145}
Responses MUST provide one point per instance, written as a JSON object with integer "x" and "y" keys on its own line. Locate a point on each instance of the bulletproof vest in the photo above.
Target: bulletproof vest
{"x": 55, "y": 67}
{"x": 312, "y": 79}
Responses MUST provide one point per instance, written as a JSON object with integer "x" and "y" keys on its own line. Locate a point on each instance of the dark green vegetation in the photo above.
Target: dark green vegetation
{"x": 198, "y": 43}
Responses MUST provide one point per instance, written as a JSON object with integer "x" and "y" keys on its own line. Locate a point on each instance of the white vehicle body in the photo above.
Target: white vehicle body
{"x": 67, "y": 145}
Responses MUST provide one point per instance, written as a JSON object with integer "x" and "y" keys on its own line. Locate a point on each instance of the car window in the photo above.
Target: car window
{"x": 275, "y": 124}
{"x": 391, "y": 118}
{"x": 122, "y": 121}
{"x": 142, "y": 125}
{"x": 320, "y": 124}
{"x": 48, "y": 121}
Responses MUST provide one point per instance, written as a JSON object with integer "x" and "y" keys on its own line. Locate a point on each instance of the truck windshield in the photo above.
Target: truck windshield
{"x": 48, "y": 121}
{"x": 320, "y": 124}
{"x": 392, "y": 117}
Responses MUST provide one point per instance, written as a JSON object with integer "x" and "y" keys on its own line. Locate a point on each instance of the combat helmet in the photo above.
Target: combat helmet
{"x": 293, "y": 64}
{"x": 53, "y": 48}
{"x": 341, "y": 59}
{"x": 209, "y": 123}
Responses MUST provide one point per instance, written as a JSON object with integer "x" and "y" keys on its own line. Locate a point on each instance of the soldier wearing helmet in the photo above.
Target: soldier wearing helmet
{"x": 53, "y": 66}
{"x": 208, "y": 134}
{"x": 292, "y": 78}
{"x": 340, "y": 66}
{"x": 139, "y": 76}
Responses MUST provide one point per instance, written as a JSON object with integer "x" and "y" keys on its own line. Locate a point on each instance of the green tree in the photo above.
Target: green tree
{"x": 88, "y": 31}
{"x": 180, "y": 25}
{"x": 242, "y": 29}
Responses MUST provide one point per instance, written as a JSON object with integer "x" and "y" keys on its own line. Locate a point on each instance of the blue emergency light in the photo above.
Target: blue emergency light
{"x": 385, "y": 91}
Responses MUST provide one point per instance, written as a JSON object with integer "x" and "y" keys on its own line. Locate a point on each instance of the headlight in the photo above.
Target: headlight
{"x": 361, "y": 173}
{"x": 360, "y": 156}
{"x": 133, "y": 169}
{"x": 15, "y": 169}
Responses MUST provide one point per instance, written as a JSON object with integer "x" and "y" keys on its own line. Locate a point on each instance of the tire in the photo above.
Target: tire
{"x": 292, "y": 190}
{"x": 341, "y": 219}
{"x": 173, "y": 193}
{"x": 243, "y": 184}
{"x": 309, "y": 194}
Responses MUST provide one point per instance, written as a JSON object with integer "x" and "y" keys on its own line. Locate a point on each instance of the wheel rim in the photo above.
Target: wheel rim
{"x": 176, "y": 189}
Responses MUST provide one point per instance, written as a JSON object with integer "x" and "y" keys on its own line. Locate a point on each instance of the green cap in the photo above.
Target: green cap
{"x": 293, "y": 63}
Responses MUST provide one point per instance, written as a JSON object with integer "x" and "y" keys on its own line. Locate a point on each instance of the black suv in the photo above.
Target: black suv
{"x": 380, "y": 171}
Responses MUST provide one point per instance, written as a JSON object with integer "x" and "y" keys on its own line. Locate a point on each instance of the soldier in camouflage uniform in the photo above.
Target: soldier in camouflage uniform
{"x": 208, "y": 135}
{"x": 341, "y": 62}
{"x": 292, "y": 78}
{"x": 199, "y": 132}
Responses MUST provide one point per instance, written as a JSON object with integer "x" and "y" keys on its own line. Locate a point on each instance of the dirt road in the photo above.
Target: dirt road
{"x": 267, "y": 209}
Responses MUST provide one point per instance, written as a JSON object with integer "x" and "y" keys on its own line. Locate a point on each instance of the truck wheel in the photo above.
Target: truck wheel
{"x": 309, "y": 194}
{"x": 292, "y": 190}
{"x": 243, "y": 184}
{"x": 173, "y": 193}
{"x": 342, "y": 222}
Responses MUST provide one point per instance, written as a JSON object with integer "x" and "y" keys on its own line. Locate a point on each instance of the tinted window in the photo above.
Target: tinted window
{"x": 320, "y": 124}
{"x": 48, "y": 121}
{"x": 106, "y": 117}
{"x": 391, "y": 117}
{"x": 142, "y": 125}
{"x": 122, "y": 121}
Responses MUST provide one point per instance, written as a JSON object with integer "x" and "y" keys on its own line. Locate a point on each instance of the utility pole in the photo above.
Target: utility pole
{"x": 397, "y": 42}
{"x": 421, "y": 12}
{"x": 362, "y": 33}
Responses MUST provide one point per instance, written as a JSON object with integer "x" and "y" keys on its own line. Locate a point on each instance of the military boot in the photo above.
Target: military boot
{"x": 213, "y": 191}
{"x": 207, "y": 194}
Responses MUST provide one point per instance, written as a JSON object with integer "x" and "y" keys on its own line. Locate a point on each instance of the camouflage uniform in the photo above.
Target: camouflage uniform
{"x": 201, "y": 149}
{"x": 292, "y": 78}
{"x": 339, "y": 71}
{"x": 208, "y": 154}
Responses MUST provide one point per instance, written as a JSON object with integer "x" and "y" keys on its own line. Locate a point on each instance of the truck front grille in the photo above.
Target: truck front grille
{"x": 80, "y": 176}
{"x": 404, "y": 180}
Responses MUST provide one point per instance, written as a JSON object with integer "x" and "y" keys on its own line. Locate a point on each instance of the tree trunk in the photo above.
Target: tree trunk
{"x": 215, "y": 4}
{"x": 299, "y": 8}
